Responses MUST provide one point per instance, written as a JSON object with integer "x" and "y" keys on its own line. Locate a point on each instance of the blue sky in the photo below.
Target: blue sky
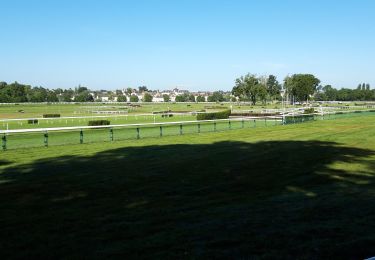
{"x": 196, "y": 45}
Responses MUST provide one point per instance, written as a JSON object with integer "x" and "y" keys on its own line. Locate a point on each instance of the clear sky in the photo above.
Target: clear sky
{"x": 196, "y": 45}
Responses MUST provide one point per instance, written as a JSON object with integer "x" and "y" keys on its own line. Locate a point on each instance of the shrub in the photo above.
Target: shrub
{"x": 51, "y": 115}
{"x": 309, "y": 110}
{"x": 298, "y": 119}
{"x": 99, "y": 122}
{"x": 32, "y": 121}
{"x": 216, "y": 115}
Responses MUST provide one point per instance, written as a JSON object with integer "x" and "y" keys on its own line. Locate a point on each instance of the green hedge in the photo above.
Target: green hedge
{"x": 32, "y": 121}
{"x": 216, "y": 115}
{"x": 99, "y": 122}
{"x": 309, "y": 110}
{"x": 51, "y": 115}
{"x": 298, "y": 119}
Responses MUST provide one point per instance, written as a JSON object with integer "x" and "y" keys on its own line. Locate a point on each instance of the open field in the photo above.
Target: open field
{"x": 294, "y": 191}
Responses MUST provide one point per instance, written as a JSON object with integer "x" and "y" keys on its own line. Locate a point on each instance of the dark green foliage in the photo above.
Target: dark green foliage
{"x": 51, "y": 115}
{"x": 147, "y": 97}
{"x": 32, "y": 121}
{"x": 134, "y": 98}
{"x": 217, "y": 96}
{"x": 309, "y": 111}
{"x": 121, "y": 98}
{"x": 201, "y": 99}
{"x": 216, "y": 115}
{"x": 185, "y": 98}
{"x": 99, "y": 122}
{"x": 298, "y": 119}
{"x": 166, "y": 98}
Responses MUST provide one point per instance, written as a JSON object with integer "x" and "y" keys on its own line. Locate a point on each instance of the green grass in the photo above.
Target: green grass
{"x": 301, "y": 191}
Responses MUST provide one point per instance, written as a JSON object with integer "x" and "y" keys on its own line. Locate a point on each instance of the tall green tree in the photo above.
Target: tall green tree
{"x": 301, "y": 86}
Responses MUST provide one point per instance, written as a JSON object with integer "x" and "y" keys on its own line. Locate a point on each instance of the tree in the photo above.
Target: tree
{"x": 142, "y": 89}
{"x": 216, "y": 96}
{"x": 247, "y": 88}
{"x": 121, "y": 98}
{"x": 301, "y": 86}
{"x": 134, "y": 98}
{"x": 200, "y": 99}
{"x": 129, "y": 91}
{"x": 191, "y": 98}
{"x": 273, "y": 86}
{"x": 166, "y": 98}
{"x": 84, "y": 96}
{"x": 147, "y": 97}
{"x": 181, "y": 98}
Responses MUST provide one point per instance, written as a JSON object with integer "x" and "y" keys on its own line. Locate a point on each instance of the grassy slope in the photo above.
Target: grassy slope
{"x": 287, "y": 191}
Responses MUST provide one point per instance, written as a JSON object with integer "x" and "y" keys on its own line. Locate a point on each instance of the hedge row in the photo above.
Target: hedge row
{"x": 255, "y": 114}
{"x": 216, "y": 115}
{"x": 99, "y": 122}
{"x": 298, "y": 119}
{"x": 50, "y": 115}
{"x": 32, "y": 121}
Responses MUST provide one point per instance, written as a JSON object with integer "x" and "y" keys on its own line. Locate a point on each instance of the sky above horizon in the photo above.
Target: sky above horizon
{"x": 194, "y": 45}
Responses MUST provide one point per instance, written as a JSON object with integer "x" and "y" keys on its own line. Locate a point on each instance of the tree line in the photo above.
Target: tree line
{"x": 250, "y": 88}
{"x": 296, "y": 88}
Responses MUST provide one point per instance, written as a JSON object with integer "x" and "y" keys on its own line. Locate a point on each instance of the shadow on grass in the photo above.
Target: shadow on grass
{"x": 227, "y": 199}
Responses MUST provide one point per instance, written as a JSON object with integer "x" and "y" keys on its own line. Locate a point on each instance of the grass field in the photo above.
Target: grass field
{"x": 301, "y": 191}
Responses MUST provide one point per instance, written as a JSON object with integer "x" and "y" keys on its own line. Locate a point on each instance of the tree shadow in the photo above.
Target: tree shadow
{"x": 288, "y": 199}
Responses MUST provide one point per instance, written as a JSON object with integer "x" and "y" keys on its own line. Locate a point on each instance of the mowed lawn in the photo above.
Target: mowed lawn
{"x": 301, "y": 191}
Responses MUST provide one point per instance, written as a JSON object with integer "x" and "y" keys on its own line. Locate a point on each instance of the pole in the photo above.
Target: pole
{"x": 161, "y": 131}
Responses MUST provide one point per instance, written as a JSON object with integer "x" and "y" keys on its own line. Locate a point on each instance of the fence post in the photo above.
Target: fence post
{"x": 161, "y": 131}
{"x": 4, "y": 143}
{"x": 229, "y": 124}
{"x": 265, "y": 121}
{"x": 243, "y": 123}
{"x": 46, "y": 139}
{"x": 180, "y": 129}
{"x": 214, "y": 126}
{"x": 111, "y": 134}
{"x": 138, "y": 136}
{"x": 199, "y": 128}
{"x": 255, "y": 124}
{"x": 81, "y": 137}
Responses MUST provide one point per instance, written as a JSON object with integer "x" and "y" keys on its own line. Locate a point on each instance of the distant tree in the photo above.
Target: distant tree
{"x": 367, "y": 86}
{"x": 363, "y": 86}
{"x": 147, "y": 97}
{"x": 134, "y": 98}
{"x": 233, "y": 99}
{"x": 273, "y": 86}
{"x": 200, "y": 99}
{"x": 301, "y": 86}
{"x": 80, "y": 89}
{"x": 166, "y": 98}
{"x": 191, "y": 98}
{"x": 216, "y": 96}
{"x": 247, "y": 88}
{"x": 129, "y": 91}
{"x": 142, "y": 89}
{"x": 121, "y": 98}
{"x": 84, "y": 96}
{"x": 180, "y": 98}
